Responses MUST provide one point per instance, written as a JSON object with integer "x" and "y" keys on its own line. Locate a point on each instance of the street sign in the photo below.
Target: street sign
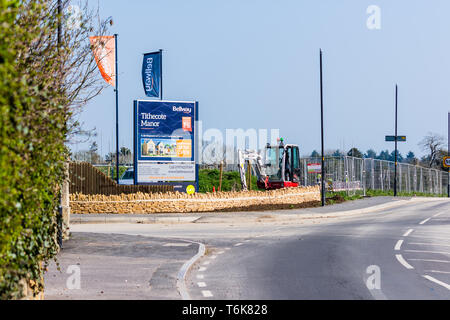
{"x": 446, "y": 162}
{"x": 314, "y": 168}
{"x": 392, "y": 138}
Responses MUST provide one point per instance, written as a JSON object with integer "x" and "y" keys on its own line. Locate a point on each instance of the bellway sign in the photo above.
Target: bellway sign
{"x": 165, "y": 144}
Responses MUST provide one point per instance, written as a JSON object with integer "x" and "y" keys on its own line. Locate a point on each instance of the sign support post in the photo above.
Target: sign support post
{"x": 322, "y": 178}
{"x": 396, "y": 135}
{"x": 117, "y": 114}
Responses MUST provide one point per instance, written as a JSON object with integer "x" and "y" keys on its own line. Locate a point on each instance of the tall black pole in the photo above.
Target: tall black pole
{"x": 117, "y": 112}
{"x": 396, "y": 138}
{"x": 322, "y": 184}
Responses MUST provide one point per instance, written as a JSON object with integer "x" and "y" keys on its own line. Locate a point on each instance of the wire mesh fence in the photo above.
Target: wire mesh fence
{"x": 356, "y": 175}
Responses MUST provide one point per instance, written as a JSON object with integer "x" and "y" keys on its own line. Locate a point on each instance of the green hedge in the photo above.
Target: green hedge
{"x": 32, "y": 151}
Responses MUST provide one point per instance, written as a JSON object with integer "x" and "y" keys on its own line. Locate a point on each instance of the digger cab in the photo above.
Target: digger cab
{"x": 282, "y": 166}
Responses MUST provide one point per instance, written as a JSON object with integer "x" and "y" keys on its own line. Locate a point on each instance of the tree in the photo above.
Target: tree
{"x": 411, "y": 158}
{"x": 315, "y": 154}
{"x": 354, "y": 152}
{"x": 370, "y": 154}
{"x": 432, "y": 143}
{"x": 399, "y": 156}
{"x": 384, "y": 155}
{"x": 337, "y": 153}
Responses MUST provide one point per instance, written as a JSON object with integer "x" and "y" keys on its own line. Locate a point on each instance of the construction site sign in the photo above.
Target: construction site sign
{"x": 165, "y": 142}
{"x": 314, "y": 168}
{"x": 446, "y": 162}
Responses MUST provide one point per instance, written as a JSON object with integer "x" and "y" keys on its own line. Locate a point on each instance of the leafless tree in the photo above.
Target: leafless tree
{"x": 432, "y": 143}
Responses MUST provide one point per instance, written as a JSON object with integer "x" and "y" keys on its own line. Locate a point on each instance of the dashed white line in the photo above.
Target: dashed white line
{"x": 201, "y": 269}
{"x": 425, "y": 251}
{"x": 430, "y": 260}
{"x": 206, "y": 263}
{"x": 437, "y": 271}
{"x": 403, "y": 261}
{"x": 398, "y": 245}
{"x": 207, "y": 293}
{"x": 429, "y": 244}
{"x": 407, "y": 233}
{"x": 438, "y": 214}
{"x": 238, "y": 244}
{"x": 213, "y": 257}
{"x": 220, "y": 252}
{"x": 200, "y": 276}
{"x": 424, "y": 221}
{"x": 201, "y": 284}
{"x": 447, "y": 286}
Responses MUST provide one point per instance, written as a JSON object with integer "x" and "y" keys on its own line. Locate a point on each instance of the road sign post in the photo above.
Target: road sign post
{"x": 396, "y": 138}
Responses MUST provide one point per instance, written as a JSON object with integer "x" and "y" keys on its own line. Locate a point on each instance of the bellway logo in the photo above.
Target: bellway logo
{"x": 181, "y": 109}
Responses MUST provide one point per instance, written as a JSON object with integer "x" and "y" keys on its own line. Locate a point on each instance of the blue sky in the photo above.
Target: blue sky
{"x": 255, "y": 64}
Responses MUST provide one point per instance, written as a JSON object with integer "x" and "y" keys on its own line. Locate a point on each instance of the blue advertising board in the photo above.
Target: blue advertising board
{"x": 165, "y": 143}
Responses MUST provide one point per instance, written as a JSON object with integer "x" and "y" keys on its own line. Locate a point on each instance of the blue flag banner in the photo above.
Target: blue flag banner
{"x": 152, "y": 74}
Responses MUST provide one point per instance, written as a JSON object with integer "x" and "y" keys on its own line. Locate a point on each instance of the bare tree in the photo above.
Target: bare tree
{"x": 432, "y": 143}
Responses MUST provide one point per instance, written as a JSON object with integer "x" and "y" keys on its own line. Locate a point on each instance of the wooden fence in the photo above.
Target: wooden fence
{"x": 86, "y": 179}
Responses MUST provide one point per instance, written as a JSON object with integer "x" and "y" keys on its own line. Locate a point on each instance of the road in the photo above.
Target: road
{"x": 397, "y": 253}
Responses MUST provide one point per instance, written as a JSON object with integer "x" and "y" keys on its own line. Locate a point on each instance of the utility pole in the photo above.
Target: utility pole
{"x": 322, "y": 183}
{"x": 117, "y": 111}
{"x": 396, "y": 138}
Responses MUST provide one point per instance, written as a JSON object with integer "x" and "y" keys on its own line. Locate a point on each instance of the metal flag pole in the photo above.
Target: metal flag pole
{"x": 117, "y": 111}
{"x": 396, "y": 140}
{"x": 321, "y": 123}
{"x": 161, "y": 73}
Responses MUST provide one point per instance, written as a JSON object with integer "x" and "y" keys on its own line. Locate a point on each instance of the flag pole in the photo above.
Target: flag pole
{"x": 160, "y": 72}
{"x": 117, "y": 112}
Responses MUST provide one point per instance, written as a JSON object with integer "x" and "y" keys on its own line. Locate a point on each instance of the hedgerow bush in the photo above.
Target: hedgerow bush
{"x": 41, "y": 80}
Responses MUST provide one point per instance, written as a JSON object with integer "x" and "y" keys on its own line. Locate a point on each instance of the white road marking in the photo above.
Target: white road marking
{"x": 424, "y": 221}
{"x": 437, "y": 271}
{"x": 200, "y": 276}
{"x": 407, "y": 233}
{"x": 430, "y": 260}
{"x": 429, "y": 244}
{"x": 238, "y": 244}
{"x": 430, "y": 238}
{"x": 403, "y": 261}
{"x": 227, "y": 248}
{"x": 177, "y": 244}
{"x": 201, "y": 269}
{"x": 220, "y": 252}
{"x": 447, "y": 286}
{"x": 425, "y": 251}
{"x": 207, "y": 293}
{"x": 398, "y": 245}
{"x": 213, "y": 257}
{"x": 206, "y": 263}
{"x": 438, "y": 214}
{"x": 201, "y": 284}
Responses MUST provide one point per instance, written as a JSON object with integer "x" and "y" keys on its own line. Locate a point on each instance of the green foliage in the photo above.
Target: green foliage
{"x": 33, "y": 117}
{"x": 231, "y": 181}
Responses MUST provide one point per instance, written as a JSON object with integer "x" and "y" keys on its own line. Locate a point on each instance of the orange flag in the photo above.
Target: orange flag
{"x": 104, "y": 49}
